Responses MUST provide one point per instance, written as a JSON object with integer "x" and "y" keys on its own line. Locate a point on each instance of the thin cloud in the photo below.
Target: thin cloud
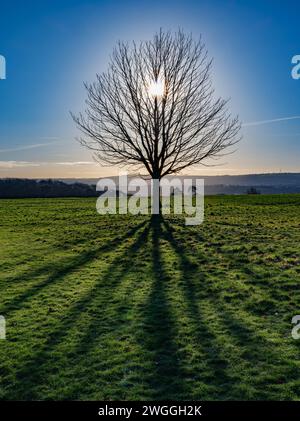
{"x": 76, "y": 163}
{"x": 26, "y": 147}
{"x": 17, "y": 164}
{"x": 275, "y": 120}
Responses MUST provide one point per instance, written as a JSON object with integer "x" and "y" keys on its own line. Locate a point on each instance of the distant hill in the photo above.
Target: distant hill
{"x": 270, "y": 179}
{"x": 22, "y": 188}
{"x": 221, "y": 184}
{"x": 272, "y": 183}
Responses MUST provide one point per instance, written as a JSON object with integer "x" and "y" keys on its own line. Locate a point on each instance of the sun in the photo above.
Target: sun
{"x": 156, "y": 88}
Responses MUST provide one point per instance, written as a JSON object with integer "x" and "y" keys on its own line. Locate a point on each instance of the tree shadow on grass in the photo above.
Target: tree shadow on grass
{"x": 249, "y": 346}
{"x": 165, "y": 377}
{"x": 101, "y": 316}
{"x": 206, "y": 339}
{"x": 57, "y": 274}
{"x": 159, "y": 328}
{"x": 154, "y": 328}
{"x": 156, "y": 334}
{"x": 31, "y": 376}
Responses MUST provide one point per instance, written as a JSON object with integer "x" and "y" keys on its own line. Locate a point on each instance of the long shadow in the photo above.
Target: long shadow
{"x": 56, "y": 275}
{"x": 239, "y": 331}
{"x": 206, "y": 339}
{"x": 32, "y": 374}
{"x": 118, "y": 309}
{"x": 159, "y": 332}
{"x": 91, "y": 331}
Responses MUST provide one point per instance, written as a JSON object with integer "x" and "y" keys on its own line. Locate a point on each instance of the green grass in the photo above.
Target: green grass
{"x": 122, "y": 307}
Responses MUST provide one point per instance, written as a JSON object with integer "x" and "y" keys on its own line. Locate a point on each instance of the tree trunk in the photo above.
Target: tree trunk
{"x": 160, "y": 203}
{"x": 156, "y": 196}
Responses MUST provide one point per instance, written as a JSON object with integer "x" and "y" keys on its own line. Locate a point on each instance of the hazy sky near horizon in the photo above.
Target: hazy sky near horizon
{"x": 51, "y": 47}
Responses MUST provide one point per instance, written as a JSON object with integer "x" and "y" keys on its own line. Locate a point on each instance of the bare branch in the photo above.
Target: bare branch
{"x": 125, "y": 124}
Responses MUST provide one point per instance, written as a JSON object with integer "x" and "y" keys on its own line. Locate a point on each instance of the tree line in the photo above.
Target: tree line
{"x": 25, "y": 188}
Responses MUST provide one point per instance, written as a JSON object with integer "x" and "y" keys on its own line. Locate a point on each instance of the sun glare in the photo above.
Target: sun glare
{"x": 156, "y": 88}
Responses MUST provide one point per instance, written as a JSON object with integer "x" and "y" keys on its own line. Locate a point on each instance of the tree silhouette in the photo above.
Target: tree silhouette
{"x": 155, "y": 108}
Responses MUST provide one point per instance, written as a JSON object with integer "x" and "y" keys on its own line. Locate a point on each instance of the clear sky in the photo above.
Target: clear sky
{"x": 51, "y": 47}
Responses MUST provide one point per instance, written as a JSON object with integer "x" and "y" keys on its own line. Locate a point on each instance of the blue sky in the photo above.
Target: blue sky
{"x": 51, "y": 47}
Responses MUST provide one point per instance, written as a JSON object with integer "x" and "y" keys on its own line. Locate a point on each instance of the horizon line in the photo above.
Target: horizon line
{"x": 134, "y": 175}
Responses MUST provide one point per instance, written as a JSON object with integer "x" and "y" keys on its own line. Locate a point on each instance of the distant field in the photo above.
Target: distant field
{"x": 118, "y": 307}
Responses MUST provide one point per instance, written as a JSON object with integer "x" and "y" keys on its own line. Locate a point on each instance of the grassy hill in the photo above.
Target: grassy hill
{"x": 124, "y": 307}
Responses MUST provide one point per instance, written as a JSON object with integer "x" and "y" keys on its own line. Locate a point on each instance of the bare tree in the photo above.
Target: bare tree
{"x": 155, "y": 108}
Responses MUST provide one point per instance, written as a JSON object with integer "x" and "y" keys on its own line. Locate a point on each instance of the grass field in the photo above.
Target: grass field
{"x": 122, "y": 307}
